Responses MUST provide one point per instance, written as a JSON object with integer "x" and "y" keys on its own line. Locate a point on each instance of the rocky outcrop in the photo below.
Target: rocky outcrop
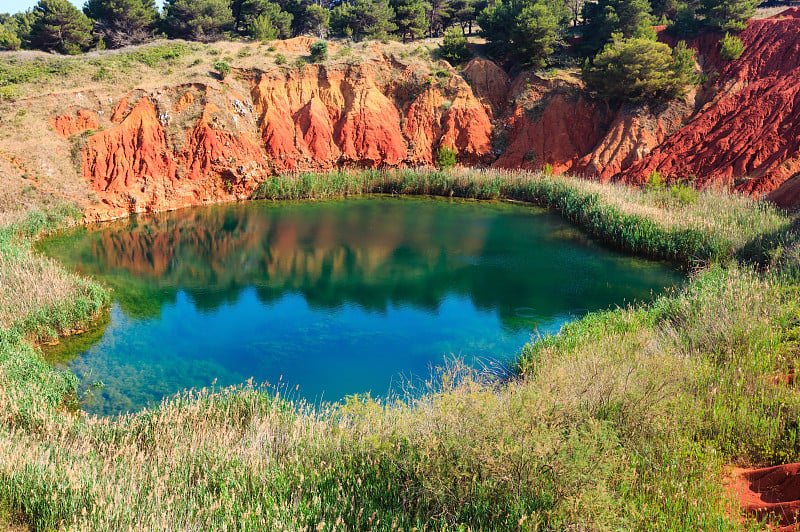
{"x": 552, "y": 122}
{"x": 148, "y": 162}
{"x": 67, "y": 125}
{"x": 372, "y": 114}
{"x": 748, "y": 137}
{"x": 184, "y": 145}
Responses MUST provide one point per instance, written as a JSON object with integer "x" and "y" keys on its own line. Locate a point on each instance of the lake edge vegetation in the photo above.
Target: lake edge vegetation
{"x": 624, "y": 420}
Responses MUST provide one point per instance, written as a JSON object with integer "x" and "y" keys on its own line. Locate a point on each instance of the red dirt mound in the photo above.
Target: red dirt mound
{"x": 67, "y": 125}
{"x": 771, "y": 493}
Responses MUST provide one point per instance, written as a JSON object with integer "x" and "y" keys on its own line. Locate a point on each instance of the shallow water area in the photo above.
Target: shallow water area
{"x": 329, "y": 298}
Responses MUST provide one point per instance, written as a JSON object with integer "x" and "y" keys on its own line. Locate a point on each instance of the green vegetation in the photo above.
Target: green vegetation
{"x": 409, "y": 18}
{"x": 525, "y": 30}
{"x": 446, "y": 157}
{"x": 639, "y": 69}
{"x": 622, "y": 421}
{"x": 529, "y": 33}
{"x": 17, "y": 74}
{"x": 319, "y": 51}
{"x": 727, "y": 15}
{"x": 222, "y": 68}
{"x": 606, "y": 18}
{"x": 363, "y": 19}
{"x": 731, "y": 47}
{"x": 454, "y": 47}
{"x": 122, "y": 22}
{"x": 199, "y": 20}
{"x": 60, "y": 27}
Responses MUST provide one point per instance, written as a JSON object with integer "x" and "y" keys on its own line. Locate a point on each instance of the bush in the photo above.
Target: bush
{"x": 655, "y": 181}
{"x": 9, "y": 40}
{"x": 319, "y": 51}
{"x": 222, "y": 68}
{"x": 280, "y": 59}
{"x": 446, "y": 157}
{"x": 731, "y": 47}
{"x": 640, "y": 69}
{"x": 454, "y": 47}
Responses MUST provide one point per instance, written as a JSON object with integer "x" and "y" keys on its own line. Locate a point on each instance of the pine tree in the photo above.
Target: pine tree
{"x": 59, "y": 26}
{"x": 604, "y": 18}
{"x": 200, "y": 20}
{"x": 454, "y": 47}
{"x": 264, "y": 20}
{"x": 534, "y": 34}
{"x": 523, "y": 30}
{"x": 363, "y": 19}
{"x": 640, "y": 69}
{"x": 122, "y": 22}
{"x": 317, "y": 20}
{"x": 409, "y": 18}
{"x": 727, "y": 15}
{"x": 439, "y": 14}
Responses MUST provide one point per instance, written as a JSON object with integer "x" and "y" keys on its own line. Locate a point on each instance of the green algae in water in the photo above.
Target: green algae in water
{"x": 330, "y": 298}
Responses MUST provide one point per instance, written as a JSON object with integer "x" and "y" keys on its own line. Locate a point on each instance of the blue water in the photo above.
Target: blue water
{"x": 330, "y": 298}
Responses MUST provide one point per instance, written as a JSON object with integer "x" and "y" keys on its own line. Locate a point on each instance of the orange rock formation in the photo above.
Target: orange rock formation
{"x": 194, "y": 144}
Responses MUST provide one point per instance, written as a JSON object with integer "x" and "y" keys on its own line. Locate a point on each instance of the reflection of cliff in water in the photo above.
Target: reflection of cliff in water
{"x": 372, "y": 253}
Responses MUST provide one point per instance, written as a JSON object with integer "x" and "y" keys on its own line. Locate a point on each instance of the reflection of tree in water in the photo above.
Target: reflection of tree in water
{"x": 371, "y": 252}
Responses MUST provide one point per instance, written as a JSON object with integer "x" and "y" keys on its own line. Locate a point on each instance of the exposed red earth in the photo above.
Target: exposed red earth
{"x": 196, "y": 143}
{"x": 771, "y": 494}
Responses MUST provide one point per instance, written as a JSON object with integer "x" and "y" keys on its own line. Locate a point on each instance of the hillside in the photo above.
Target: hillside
{"x": 155, "y": 128}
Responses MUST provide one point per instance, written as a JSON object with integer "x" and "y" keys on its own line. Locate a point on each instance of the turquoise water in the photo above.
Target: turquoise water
{"x": 330, "y": 298}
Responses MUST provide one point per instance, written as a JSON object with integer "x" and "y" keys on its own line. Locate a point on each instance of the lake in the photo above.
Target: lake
{"x": 330, "y": 298}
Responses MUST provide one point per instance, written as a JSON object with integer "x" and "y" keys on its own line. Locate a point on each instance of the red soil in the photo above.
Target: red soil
{"x": 174, "y": 147}
{"x": 67, "y": 125}
{"x": 771, "y": 493}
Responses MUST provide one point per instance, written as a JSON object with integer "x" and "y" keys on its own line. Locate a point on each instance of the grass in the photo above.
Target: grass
{"x": 625, "y": 420}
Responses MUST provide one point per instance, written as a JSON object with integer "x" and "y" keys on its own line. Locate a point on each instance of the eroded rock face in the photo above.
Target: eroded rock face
{"x": 552, "y": 121}
{"x": 373, "y": 114}
{"x": 198, "y": 143}
{"x": 147, "y": 162}
{"x": 68, "y": 124}
{"x": 748, "y": 137}
{"x": 194, "y": 144}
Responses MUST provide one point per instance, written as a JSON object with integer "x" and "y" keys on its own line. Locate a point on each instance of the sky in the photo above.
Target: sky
{"x": 15, "y": 6}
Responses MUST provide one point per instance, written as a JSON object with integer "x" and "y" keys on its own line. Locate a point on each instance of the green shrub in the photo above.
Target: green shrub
{"x": 319, "y": 51}
{"x": 446, "y": 157}
{"x": 280, "y": 59}
{"x": 222, "y": 68}
{"x": 9, "y": 40}
{"x": 640, "y": 69}
{"x": 454, "y": 47}
{"x": 655, "y": 181}
{"x": 731, "y": 47}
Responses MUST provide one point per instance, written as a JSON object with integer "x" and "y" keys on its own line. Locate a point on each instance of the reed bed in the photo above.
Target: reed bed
{"x": 625, "y": 420}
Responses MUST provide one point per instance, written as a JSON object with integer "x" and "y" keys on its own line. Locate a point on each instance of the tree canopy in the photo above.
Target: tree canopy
{"x": 363, "y": 19}
{"x": 58, "y": 26}
{"x": 201, "y": 20}
{"x": 639, "y": 69}
{"x": 122, "y": 22}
